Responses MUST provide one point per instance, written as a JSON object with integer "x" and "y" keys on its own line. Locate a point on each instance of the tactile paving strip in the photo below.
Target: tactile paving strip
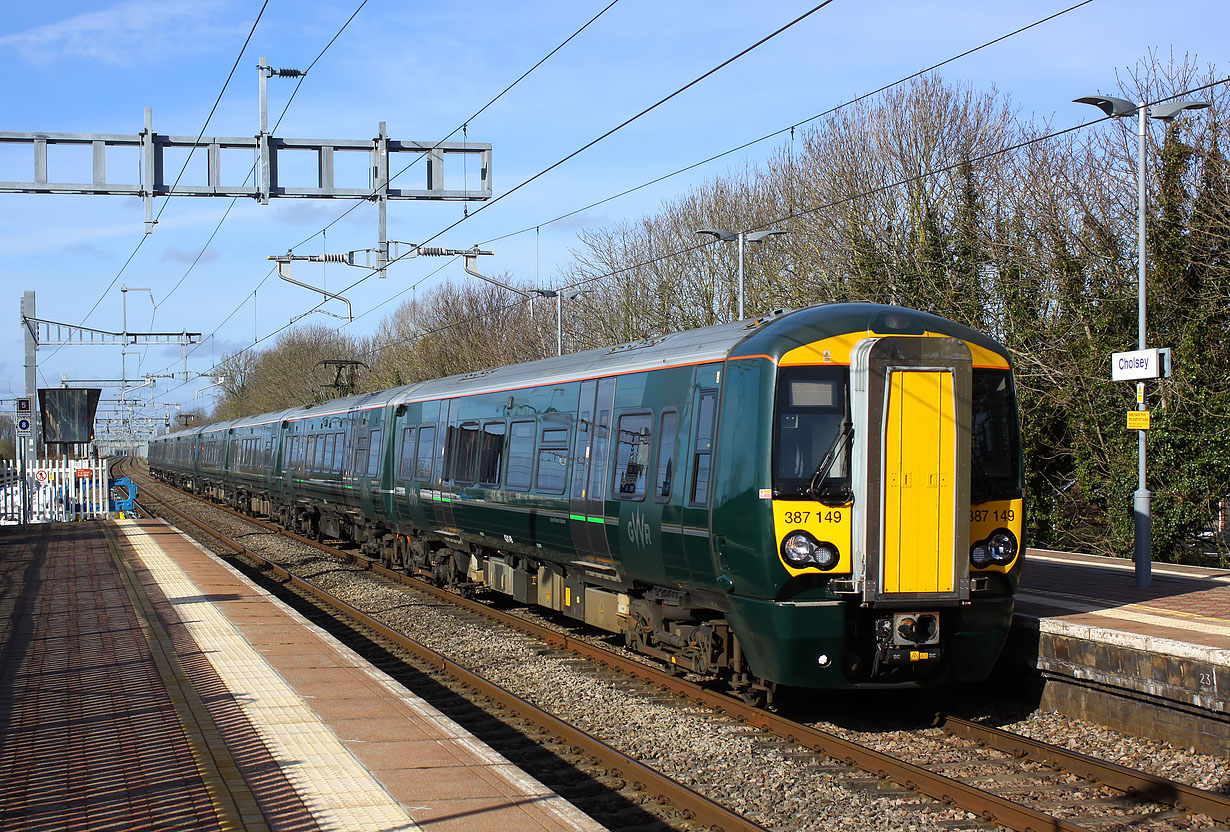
{"x": 340, "y": 793}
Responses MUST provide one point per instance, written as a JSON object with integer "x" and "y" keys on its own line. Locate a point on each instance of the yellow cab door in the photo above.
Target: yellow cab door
{"x": 910, "y": 397}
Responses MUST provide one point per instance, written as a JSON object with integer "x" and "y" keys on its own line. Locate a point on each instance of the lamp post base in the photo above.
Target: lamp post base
{"x": 1142, "y": 550}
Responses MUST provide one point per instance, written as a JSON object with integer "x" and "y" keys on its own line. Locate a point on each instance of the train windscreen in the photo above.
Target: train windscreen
{"x": 811, "y": 436}
{"x": 996, "y": 450}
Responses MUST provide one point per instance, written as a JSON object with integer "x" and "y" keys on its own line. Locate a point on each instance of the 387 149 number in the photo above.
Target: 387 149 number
{"x": 981, "y": 515}
{"x": 798, "y": 518}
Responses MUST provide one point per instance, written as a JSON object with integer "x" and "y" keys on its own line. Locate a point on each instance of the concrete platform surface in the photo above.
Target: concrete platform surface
{"x": 146, "y": 684}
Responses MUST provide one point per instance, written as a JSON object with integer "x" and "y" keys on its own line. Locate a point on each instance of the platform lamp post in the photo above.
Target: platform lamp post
{"x": 1142, "y": 547}
{"x": 560, "y": 295}
{"x": 743, "y": 237}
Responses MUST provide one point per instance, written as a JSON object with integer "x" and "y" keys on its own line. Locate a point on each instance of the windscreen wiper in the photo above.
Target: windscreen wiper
{"x": 821, "y": 474}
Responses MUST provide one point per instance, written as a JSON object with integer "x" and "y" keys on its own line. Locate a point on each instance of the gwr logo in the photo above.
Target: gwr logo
{"x": 638, "y": 531}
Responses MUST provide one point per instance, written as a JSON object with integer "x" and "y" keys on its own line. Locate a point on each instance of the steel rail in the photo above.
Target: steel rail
{"x": 986, "y": 804}
{"x": 1131, "y": 781}
{"x": 697, "y": 806}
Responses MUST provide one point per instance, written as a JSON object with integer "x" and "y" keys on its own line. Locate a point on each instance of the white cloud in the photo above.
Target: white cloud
{"x": 120, "y": 35}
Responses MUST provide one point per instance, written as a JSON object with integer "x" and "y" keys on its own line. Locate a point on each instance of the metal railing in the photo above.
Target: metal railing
{"x": 54, "y": 490}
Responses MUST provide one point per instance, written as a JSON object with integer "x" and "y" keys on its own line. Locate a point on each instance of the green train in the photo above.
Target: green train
{"x": 830, "y": 497}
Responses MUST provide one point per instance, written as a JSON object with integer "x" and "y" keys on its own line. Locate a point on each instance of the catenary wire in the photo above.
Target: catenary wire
{"x": 625, "y": 123}
{"x": 790, "y": 127}
{"x": 480, "y": 110}
{"x": 812, "y": 210}
{"x": 205, "y": 126}
{"x": 247, "y": 178}
{"x": 462, "y": 126}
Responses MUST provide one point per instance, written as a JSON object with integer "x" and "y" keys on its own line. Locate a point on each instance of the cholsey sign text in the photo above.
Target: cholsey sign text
{"x": 1138, "y": 364}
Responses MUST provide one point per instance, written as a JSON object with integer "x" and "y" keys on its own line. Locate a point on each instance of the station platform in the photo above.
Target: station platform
{"x": 145, "y": 684}
{"x": 1152, "y": 661}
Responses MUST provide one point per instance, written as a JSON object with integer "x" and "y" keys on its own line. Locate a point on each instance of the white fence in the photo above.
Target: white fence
{"x": 54, "y": 490}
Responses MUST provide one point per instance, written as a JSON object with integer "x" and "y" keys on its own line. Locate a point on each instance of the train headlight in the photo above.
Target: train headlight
{"x": 798, "y": 549}
{"x": 826, "y": 555}
{"x": 1002, "y": 546}
{"x": 979, "y": 555}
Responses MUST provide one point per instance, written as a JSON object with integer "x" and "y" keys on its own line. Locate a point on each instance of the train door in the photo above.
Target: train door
{"x": 587, "y": 491}
{"x": 697, "y": 542}
{"x": 911, "y": 401}
{"x": 446, "y": 450}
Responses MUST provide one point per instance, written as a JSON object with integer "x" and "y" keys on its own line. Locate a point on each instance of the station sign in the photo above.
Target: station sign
{"x": 1129, "y": 366}
{"x": 1139, "y": 364}
{"x": 1138, "y": 419}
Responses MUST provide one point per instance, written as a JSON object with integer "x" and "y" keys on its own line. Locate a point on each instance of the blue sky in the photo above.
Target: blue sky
{"x": 92, "y": 67}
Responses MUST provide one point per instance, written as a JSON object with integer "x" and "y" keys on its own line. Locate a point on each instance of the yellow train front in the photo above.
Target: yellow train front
{"x": 886, "y": 447}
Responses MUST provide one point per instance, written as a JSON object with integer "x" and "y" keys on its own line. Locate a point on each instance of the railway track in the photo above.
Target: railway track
{"x": 679, "y": 806}
{"x": 1002, "y": 780}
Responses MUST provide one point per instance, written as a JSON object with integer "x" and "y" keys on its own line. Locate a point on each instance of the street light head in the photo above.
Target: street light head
{"x": 724, "y": 236}
{"x": 1113, "y": 107}
{"x": 757, "y": 236}
{"x": 1168, "y": 112}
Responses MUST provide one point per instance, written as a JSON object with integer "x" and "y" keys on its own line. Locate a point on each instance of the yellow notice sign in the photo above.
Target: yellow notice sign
{"x": 1138, "y": 420}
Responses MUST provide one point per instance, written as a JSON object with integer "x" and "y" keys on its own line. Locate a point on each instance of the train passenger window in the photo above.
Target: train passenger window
{"x": 468, "y": 441}
{"x": 520, "y": 455}
{"x": 373, "y": 453}
{"x": 702, "y": 452}
{"x": 553, "y": 454}
{"x": 320, "y": 453}
{"x": 491, "y": 454}
{"x": 405, "y": 464}
{"x": 632, "y": 441}
{"x": 330, "y": 447}
{"x": 427, "y": 445}
{"x": 339, "y": 452}
{"x": 552, "y": 463}
{"x": 665, "y": 471}
{"x": 310, "y": 457}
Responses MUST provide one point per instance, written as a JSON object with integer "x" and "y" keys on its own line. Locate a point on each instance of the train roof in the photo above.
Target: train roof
{"x": 770, "y": 336}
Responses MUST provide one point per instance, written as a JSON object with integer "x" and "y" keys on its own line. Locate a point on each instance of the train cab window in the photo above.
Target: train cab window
{"x": 373, "y": 453}
{"x": 405, "y": 463}
{"x": 491, "y": 453}
{"x": 664, "y": 472}
{"x": 811, "y": 434}
{"x": 632, "y": 441}
{"x": 702, "y": 451}
{"x": 552, "y": 454}
{"x": 468, "y": 441}
{"x": 520, "y": 455}
{"x": 427, "y": 446}
{"x": 996, "y": 446}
